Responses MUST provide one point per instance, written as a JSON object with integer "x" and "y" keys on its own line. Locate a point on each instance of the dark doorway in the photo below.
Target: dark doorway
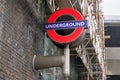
{"x": 113, "y": 77}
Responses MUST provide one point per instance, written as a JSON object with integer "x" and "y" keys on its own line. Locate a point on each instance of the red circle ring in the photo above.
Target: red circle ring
{"x": 72, "y": 36}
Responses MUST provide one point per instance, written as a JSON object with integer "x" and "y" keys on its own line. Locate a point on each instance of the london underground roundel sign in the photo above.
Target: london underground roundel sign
{"x": 65, "y": 38}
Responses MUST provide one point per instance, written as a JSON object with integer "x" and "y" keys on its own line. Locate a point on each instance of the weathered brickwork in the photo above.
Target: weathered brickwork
{"x": 20, "y": 39}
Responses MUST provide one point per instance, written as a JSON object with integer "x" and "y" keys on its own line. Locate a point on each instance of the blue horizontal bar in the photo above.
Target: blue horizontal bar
{"x": 65, "y": 25}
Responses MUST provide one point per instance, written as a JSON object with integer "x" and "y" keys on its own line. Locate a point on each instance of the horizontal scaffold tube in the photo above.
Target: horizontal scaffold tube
{"x": 40, "y": 62}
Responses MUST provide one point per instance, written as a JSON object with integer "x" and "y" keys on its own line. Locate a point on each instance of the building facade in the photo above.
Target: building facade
{"x": 112, "y": 46}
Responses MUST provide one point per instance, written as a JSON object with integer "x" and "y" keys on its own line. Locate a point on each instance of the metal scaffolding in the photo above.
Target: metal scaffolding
{"x": 92, "y": 51}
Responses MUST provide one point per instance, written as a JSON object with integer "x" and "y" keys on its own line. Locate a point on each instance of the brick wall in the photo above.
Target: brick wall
{"x": 20, "y": 38}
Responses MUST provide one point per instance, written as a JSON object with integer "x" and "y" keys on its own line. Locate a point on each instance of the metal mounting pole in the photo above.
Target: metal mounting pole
{"x": 41, "y": 62}
{"x": 66, "y": 65}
